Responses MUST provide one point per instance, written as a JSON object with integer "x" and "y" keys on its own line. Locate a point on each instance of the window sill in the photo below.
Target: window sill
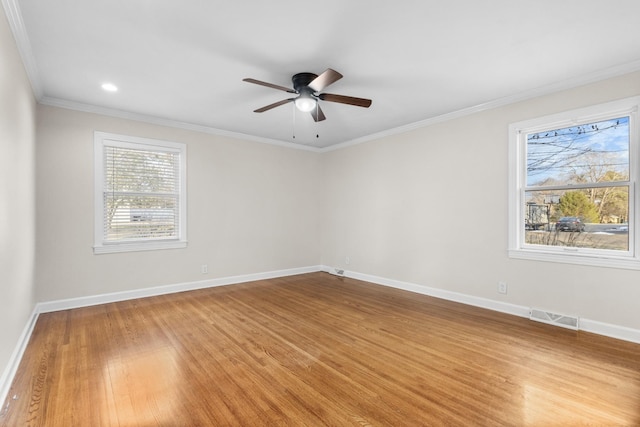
{"x": 628, "y": 263}
{"x": 136, "y": 247}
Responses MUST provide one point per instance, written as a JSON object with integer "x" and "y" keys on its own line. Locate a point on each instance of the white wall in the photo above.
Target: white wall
{"x": 252, "y": 208}
{"x": 429, "y": 207}
{"x": 17, "y": 204}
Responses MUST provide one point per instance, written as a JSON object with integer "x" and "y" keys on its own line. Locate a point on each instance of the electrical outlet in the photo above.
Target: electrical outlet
{"x": 502, "y": 287}
{"x": 204, "y": 269}
{"x": 347, "y": 260}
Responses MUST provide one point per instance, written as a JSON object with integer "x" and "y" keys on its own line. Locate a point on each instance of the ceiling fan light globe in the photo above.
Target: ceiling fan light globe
{"x": 305, "y": 104}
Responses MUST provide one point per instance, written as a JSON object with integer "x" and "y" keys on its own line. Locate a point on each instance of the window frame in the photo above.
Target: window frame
{"x": 104, "y": 139}
{"x": 517, "y": 248}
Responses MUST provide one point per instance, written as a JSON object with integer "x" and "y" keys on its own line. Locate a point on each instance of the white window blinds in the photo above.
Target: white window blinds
{"x": 141, "y": 196}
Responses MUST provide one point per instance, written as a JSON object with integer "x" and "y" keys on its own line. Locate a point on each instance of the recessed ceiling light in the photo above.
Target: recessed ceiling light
{"x": 110, "y": 87}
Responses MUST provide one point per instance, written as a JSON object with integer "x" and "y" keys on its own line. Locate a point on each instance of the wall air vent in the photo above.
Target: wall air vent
{"x": 562, "y": 320}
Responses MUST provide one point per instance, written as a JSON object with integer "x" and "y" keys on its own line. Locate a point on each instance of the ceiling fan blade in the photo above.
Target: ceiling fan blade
{"x": 274, "y": 105}
{"x": 328, "y": 77}
{"x": 317, "y": 114}
{"x": 358, "y": 102}
{"x": 271, "y": 85}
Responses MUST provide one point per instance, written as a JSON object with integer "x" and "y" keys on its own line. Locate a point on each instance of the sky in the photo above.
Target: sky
{"x": 562, "y": 153}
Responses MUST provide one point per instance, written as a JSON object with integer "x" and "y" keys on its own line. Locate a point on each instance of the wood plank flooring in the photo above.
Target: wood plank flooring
{"x": 314, "y": 350}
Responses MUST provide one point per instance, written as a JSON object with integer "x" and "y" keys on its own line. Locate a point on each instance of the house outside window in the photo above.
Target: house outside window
{"x": 140, "y": 193}
{"x": 573, "y": 186}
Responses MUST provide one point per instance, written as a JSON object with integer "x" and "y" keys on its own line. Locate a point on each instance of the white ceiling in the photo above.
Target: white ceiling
{"x": 182, "y": 62}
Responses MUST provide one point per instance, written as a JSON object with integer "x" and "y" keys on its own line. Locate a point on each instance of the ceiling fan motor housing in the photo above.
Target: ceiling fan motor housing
{"x": 302, "y": 80}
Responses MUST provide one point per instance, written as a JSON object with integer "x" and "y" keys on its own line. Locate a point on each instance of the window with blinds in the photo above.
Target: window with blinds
{"x": 140, "y": 197}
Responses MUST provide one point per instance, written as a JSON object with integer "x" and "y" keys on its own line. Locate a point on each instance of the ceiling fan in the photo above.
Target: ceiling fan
{"x": 307, "y": 86}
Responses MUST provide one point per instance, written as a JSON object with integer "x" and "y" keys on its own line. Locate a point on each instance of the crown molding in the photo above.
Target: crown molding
{"x": 14, "y": 18}
{"x": 585, "y": 79}
{"x": 110, "y": 112}
{"x": 500, "y": 102}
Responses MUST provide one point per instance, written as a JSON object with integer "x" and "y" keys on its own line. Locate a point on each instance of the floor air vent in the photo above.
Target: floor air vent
{"x": 554, "y": 318}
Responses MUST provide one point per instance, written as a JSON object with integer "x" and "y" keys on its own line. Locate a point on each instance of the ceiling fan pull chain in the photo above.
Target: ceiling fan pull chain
{"x": 317, "y": 115}
{"x": 293, "y": 131}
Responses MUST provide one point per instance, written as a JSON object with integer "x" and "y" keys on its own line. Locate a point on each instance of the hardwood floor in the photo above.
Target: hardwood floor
{"x": 316, "y": 349}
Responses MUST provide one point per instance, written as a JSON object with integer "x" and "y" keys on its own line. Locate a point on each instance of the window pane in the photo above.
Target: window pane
{"x": 141, "y": 171}
{"x": 594, "y": 218}
{"x": 593, "y": 152}
{"x": 135, "y": 217}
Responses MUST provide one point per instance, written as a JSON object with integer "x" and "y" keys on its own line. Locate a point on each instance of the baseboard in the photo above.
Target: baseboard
{"x": 66, "y": 304}
{"x": 502, "y": 307}
{"x": 612, "y": 331}
{"x": 14, "y": 361}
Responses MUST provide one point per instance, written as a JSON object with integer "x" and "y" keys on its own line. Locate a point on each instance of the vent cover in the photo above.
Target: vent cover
{"x": 562, "y": 320}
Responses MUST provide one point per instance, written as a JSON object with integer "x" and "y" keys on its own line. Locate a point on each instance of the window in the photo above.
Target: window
{"x": 573, "y": 186}
{"x": 140, "y": 193}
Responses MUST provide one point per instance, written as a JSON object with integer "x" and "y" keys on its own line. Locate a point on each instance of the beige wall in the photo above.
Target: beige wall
{"x": 17, "y": 204}
{"x": 252, "y": 208}
{"x": 429, "y": 207}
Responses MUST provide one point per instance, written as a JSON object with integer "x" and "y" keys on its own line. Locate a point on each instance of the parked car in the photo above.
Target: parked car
{"x": 570, "y": 223}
